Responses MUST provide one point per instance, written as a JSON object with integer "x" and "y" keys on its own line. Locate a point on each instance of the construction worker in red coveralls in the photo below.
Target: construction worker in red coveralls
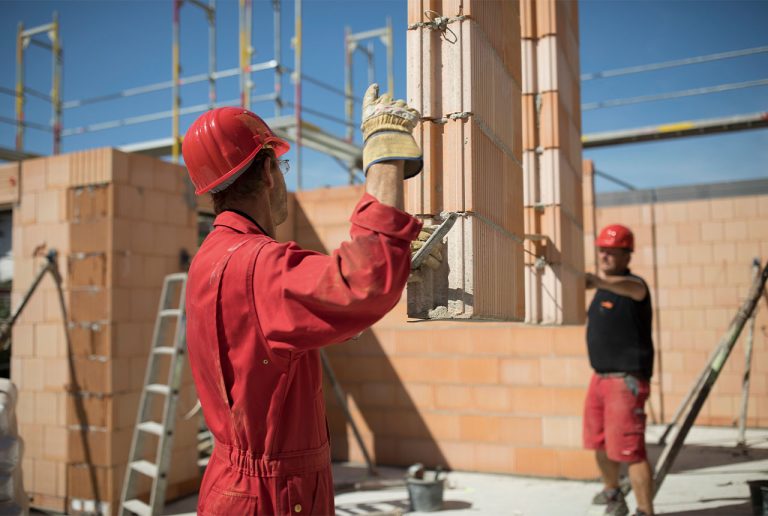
{"x": 259, "y": 310}
{"x": 621, "y": 354}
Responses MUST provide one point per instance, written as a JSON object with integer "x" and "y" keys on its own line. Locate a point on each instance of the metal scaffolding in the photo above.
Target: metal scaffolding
{"x": 23, "y": 39}
{"x": 293, "y": 127}
{"x": 676, "y": 130}
{"x": 351, "y": 45}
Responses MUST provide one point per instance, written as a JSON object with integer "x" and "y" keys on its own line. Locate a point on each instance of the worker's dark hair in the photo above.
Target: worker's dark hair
{"x": 250, "y": 182}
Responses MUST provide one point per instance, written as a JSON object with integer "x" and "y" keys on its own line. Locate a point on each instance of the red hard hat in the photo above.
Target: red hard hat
{"x": 222, "y": 142}
{"x": 616, "y": 235}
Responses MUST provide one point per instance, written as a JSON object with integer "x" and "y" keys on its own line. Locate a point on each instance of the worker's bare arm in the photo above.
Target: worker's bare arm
{"x": 385, "y": 182}
{"x": 621, "y": 285}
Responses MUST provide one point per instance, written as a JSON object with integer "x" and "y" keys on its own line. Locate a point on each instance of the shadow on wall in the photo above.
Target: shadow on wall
{"x": 382, "y": 407}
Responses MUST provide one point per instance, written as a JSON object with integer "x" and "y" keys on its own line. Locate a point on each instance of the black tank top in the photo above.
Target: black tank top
{"x": 619, "y": 333}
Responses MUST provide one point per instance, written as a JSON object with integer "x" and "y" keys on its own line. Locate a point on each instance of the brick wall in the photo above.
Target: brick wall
{"x": 699, "y": 273}
{"x": 118, "y": 222}
{"x": 501, "y": 397}
{"x": 507, "y": 397}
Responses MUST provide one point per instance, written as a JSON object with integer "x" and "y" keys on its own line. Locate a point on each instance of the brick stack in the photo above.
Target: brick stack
{"x": 465, "y": 80}
{"x": 120, "y": 223}
{"x": 552, "y": 161}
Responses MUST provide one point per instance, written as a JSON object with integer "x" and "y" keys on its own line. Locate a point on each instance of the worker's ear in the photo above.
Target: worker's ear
{"x": 266, "y": 172}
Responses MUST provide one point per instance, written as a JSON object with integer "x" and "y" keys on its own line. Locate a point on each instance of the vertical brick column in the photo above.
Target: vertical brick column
{"x": 465, "y": 80}
{"x": 552, "y": 162}
{"x": 120, "y": 223}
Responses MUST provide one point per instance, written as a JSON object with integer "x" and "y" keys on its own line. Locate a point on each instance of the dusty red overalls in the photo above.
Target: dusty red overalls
{"x": 257, "y": 312}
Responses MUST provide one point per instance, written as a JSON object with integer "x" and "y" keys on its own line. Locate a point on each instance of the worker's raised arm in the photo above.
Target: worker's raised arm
{"x": 390, "y": 154}
{"x": 627, "y": 286}
{"x": 307, "y": 299}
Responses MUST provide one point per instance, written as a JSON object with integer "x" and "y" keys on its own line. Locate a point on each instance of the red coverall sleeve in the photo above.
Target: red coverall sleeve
{"x": 305, "y": 299}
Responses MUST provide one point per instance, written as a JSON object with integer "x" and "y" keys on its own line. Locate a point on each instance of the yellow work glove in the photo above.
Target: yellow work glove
{"x": 435, "y": 256}
{"x": 387, "y": 132}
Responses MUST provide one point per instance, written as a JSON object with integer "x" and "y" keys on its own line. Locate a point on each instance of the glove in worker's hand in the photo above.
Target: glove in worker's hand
{"x": 387, "y": 132}
{"x": 435, "y": 257}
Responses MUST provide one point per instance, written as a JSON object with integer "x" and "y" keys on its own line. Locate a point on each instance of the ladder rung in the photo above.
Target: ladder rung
{"x": 158, "y": 388}
{"x": 164, "y": 350}
{"x": 151, "y": 427}
{"x": 138, "y": 507}
{"x": 145, "y": 468}
{"x": 170, "y": 312}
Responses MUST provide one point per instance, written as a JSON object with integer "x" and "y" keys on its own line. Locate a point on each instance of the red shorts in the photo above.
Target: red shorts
{"x": 614, "y": 417}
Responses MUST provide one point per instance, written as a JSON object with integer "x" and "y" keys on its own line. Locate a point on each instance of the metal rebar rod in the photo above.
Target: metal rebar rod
{"x": 674, "y": 94}
{"x": 672, "y": 64}
{"x": 742, "y": 439}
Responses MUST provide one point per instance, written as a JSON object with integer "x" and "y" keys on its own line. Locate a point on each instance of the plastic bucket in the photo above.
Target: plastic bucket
{"x": 758, "y": 494}
{"x": 425, "y": 495}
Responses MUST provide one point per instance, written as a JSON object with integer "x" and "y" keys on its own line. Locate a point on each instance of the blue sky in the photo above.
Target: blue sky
{"x": 114, "y": 45}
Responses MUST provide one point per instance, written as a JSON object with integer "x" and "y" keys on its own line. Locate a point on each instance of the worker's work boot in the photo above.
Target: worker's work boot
{"x": 603, "y": 496}
{"x": 616, "y": 505}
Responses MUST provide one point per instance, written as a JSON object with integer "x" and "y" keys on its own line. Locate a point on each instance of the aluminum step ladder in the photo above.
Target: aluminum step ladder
{"x": 153, "y": 439}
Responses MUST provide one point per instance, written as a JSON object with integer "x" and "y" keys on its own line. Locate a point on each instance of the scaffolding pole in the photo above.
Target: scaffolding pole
{"x": 211, "y": 15}
{"x": 297, "y": 82}
{"x": 20, "y": 88}
{"x": 56, "y": 85}
{"x": 276, "y": 19}
{"x": 176, "y": 72}
{"x": 246, "y": 22}
{"x": 23, "y": 39}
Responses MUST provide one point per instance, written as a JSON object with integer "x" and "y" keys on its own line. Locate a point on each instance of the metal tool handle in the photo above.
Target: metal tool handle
{"x": 434, "y": 239}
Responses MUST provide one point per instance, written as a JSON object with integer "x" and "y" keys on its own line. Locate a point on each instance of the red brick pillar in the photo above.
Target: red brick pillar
{"x": 552, "y": 162}
{"x": 465, "y": 80}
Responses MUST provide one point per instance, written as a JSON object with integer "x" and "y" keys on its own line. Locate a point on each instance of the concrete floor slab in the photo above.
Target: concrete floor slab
{"x": 708, "y": 479}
